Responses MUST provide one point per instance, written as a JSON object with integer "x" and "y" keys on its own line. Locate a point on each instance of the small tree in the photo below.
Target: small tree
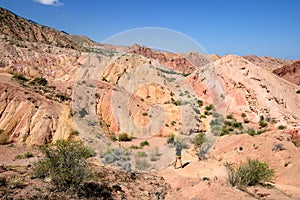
{"x": 65, "y": 164}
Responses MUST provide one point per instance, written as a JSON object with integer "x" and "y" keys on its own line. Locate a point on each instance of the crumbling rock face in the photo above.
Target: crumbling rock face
{"x": 290, "y": 73}
{"x": 258, "y": 92}
{"x": 26, "y": 117}
{"x": 171, "y": 60}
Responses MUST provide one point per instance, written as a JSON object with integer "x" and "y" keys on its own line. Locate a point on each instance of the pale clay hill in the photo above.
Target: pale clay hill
{"x": 90, "y": 83}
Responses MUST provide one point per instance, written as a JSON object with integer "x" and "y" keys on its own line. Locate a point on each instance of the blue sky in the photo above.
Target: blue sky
{"x": 242, "y": 27}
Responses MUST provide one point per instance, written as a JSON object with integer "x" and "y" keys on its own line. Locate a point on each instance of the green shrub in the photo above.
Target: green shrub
{"x": 199, "y": 140}
{"x": 197, "y": 111}
{"x": 65, "y": 164}
{"x": 142, "y": 163}
{"x": 124, "y": 137}
{"x": 113, "y": 138}
{"x": 298, "y": 92}
{"x": 144, "y": 143}
{"x": 177, "y": 103}
{"x": 200, "y": 103}
{"x": 281, "y": 127}
{"x": 243, "y": 115}
{"x": 209, "y": 107}
{"x": 261, "y": 131}
{"x": 251, "y": 131}
{"x": 224, "y": 131}
{"x": 229, "y": 117}
{"x": 261, "y": 118}
{"x": 262, "y": 123}
{"x": 74, "y": 132}
{"x": 249, "y": 173}
{"x": 173, "y": 123}
{"x": 237, "y": 125}
{"x": 134, "y": 147}
{"x": 141, "y": 154}
{"x": 118, "y": 157}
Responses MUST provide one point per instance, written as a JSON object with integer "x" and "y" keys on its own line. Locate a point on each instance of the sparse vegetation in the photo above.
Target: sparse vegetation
{"x": 124, "y": 137}
{"x": 251, "y": 132}
{"x": 209, "y": 107}
{"x": 278, "y": 147}
{"x": 3, "y": 137}
{"x": 249, "y": 173}
{"x": 261, "y": 131}
{"x": 142, "y": 163}
{"x": 207, "y": 113}
{"x": 171, "y": 139}
{"x": 197, "y": 111}
{"x": 224, "y": 131}
{"x": 199, "y": 140}
{"x": 39, "y": 81}
{"x": 281, "y": 127}
{"x": 229, "y": 117}
{"x": 15, "y": 181}
{"x": 26, "y": 155}
{"x": 75, "y": 132}
{"x": 200, "y": 103}
{"x": 65, "y": 164}
{"x": 296, "y": 143}
{"x": 177, "y": 103}
{"x": 19, "y": 78}
{"x": 262, "y": 123}
{"x": 217, "y": 123}
{"x": 144, "y": 143}
{"x": 63, "y": 97}
{"x": 141, "y": 154}
{"x": 117, "y": 157}
{"x": 154, "y": 154}
{"x": 134, "y": 147}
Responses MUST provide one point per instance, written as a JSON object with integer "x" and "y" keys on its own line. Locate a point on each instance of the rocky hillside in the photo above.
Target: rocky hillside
{"x": 290, "y": 72}
{"x": 129, "y": 104}
{"x": 267, "y": 62}
{"x": 18, "y": 28}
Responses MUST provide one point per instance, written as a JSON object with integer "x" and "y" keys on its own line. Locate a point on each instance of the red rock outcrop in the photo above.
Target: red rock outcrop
{"x": 290, "y": 73}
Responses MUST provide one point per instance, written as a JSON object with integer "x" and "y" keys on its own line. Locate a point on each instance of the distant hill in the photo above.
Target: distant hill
{"x": 19, "y": 28}
{"x": 290, "y": 72}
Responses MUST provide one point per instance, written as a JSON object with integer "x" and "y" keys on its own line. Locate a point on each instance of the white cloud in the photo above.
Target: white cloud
{"x": 50, "y": 2}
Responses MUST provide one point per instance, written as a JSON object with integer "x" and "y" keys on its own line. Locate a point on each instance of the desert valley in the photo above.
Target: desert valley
{"x": 130, "y": 105}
